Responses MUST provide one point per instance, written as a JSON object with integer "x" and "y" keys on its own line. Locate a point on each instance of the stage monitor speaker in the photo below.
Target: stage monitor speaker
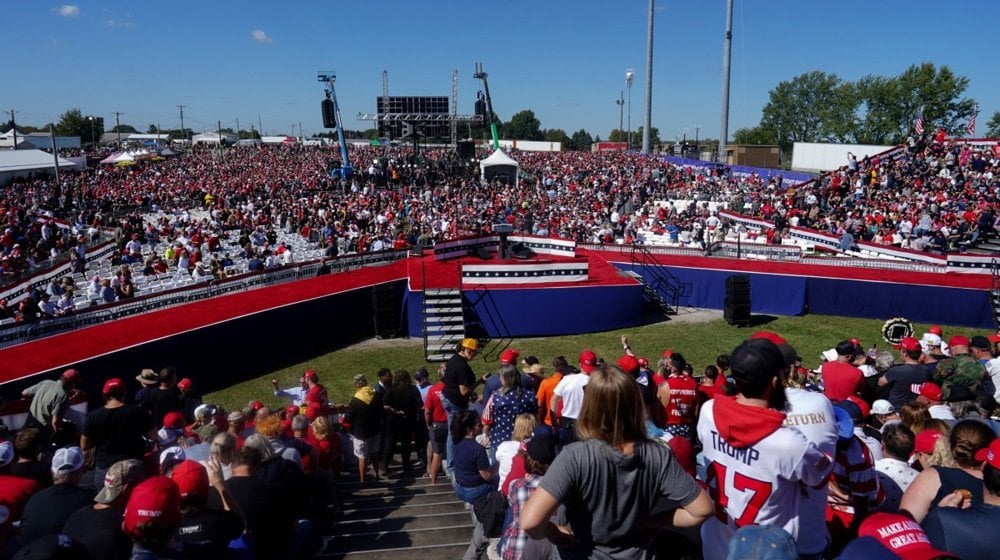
{"x": 521, "y": 251}
{"x": 466, "y": 150}
{"x": 481, "y": 252}
{"x": 329, "y": 118}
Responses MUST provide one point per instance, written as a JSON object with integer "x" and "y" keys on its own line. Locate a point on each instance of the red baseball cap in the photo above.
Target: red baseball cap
{"x": 509, "y": 356}
{"x": 958, "y": 340}
{"x": 588, "y": 360}
{"x": 173, "y": 420}
{"x": 643, "y": 362}
{"x": 191, "y": 479}
{"x": 990, "y": 454}
{"x": 994, "y": 338}
{"x": 184, "y": 383}
{"x": 931, "y": 391}
{"x": 291, "y": 411}
{"x": 629, "y": 364}
{"x": 72, "y": 375}
{"x": 667, "y": 353}
{"x": 112, "y": 385}
{"x": 768, "y": 335}
{"x": 935, "y": 329}
{"x": 154, "y": 506}
{"x": 909, "y": 344}
{"x": 925, "y": 441}
{"x": 310, "y": 374}
{"x": 901, "y": 535}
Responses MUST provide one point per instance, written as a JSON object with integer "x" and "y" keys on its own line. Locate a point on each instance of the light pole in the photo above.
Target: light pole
{"x": 621, "y": 110}
{"x": 92, "y": 143}
{"x": 629, "y": 77}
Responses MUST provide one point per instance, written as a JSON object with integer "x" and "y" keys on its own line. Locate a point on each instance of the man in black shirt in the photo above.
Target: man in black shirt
{"x": 901, "y": 378}
{"x": 116, "y": 429}
{"x": 266, "y": 524}
{"x": 164, "y": 398}
{"x": 99, "y": 526}
{"x": 459, "y": 382}
{"x": 47, "y": 511}
{"x": 364, "y": 419}
{"x": 28, "y": 444}
{"x": 203, "y": 532}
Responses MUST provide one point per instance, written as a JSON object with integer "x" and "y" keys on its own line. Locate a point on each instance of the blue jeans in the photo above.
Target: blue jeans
{"x": 469, "y": 494}
{"x": 450, "y": 409}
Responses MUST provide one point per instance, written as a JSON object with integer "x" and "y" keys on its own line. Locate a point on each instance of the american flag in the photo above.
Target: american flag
{"x": 971, "y": 128}
{"x": 918, "y": 126}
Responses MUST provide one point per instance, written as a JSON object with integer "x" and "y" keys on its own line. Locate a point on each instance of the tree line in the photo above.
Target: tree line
{"x": 882, "y": 110}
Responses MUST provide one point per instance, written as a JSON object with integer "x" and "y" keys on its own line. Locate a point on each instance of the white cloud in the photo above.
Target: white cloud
{"x": 261, "y": 37}
{"x": 68, "y": 10}
{"x": 117, "y": 23}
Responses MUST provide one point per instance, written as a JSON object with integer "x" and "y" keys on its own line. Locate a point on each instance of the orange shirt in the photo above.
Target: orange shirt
{"x": 545, "y": 392}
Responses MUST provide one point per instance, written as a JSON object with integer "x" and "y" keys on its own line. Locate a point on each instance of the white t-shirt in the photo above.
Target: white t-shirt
{"x": 505, "y": 458}
{"x": 570, "y": 390}
{"x": 811, "y": 414}
{"x": 758, "y": 484}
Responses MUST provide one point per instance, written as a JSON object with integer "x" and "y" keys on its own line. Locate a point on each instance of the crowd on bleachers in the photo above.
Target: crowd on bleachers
{"x": 205, "y": 214}
{"x": 868, "y": 453}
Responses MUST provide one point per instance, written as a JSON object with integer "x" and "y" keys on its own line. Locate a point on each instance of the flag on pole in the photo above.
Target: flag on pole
{"x": 971, "y": 128}
{"x": 918, "y": 126}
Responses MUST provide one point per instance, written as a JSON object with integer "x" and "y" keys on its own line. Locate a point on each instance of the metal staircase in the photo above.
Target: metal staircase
{"x": 660, "y": 288}
{"x": 444, "y": 323}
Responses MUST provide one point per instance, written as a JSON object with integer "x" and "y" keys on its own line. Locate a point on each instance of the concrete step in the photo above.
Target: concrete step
{"x": 399, "y": 498}
{"x": 443, "y": 301}
{"x": 444, "y": 310}
{"x": 406, "y": 510}
{"x": 419, "y": 520}
{"x": 381, "y": 540}
{"x": 447, "y": 327}
{"x": 432, "y": 552}
{"x": 438, "y": 357}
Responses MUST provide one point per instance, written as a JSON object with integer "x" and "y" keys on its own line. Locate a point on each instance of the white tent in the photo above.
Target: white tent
{"x": 125, "y": 157}
{"x": 22, "y": 163}
{"x": 499, "y": 166}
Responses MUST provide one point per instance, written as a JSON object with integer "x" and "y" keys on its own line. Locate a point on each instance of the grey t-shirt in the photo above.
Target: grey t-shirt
{"x": 609, "y": 496}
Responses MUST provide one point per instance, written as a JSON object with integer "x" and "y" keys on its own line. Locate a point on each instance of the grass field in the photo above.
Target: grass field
{"x": 699, "y": 341}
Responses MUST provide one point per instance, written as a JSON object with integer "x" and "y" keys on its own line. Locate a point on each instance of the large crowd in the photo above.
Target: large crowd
{"x": 867, "y": 455}
{"x": 935, "y": 194}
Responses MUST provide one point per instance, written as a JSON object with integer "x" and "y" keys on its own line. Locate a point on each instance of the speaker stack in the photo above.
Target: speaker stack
{"x": 737, "y": 304}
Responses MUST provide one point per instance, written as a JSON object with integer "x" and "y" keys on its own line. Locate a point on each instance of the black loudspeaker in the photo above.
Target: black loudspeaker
{"x": 329, "y": 119}
{"x": 521, "y": 251}
{"x": 481, "y": 253}
{"x": 736, "y": 310}
{"x": 466, "y": 150}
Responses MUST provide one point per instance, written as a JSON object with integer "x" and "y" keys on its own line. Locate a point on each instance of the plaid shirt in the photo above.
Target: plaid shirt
{"x": 514, "y": 538}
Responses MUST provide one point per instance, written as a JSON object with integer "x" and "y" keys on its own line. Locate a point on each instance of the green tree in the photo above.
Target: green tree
{"x": 123, "y": 128}
{"x": 523, "y": 126}
{"x": 654, "y": 137}
{"x": 993, "y": 126}
{"x": 74, "y": 123}
{"x": 756, "y": 136}
{"x": 581, "y": 140}
{"x": 811, "y": 107}
{"x": 618, "y": 135}
{"x": 891, "y": 105}
{"x": 557, "y": 135}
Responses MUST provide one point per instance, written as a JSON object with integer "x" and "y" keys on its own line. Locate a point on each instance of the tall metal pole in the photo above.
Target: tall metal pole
{"x": 649, "y": 81}
{"x": 55, "y": 156}
{"x": 183, "y": 134}
{"x": 629, "y": 76}
{"x": 118, "y": 127}
{"x": 621, "y": 111}
{"x": 727, "y": 47}
{"x": 13, "y": 127}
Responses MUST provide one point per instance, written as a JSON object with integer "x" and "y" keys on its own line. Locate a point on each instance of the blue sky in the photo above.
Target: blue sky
{"x": 564, "y": 59}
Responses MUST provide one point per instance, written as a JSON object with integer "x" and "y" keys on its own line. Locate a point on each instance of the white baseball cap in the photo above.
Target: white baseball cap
{"x": 882, "y": 406}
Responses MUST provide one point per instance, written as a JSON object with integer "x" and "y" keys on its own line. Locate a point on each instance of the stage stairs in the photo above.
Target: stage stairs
{"x": 659, "y": 288}
{"x": 995, "y": 293}
{"x": 444, "y": 323}
{"x": 401, "y": 517}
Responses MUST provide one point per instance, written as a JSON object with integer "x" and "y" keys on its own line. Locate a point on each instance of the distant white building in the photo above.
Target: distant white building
{"x": 37, "y": 140}
{"x": 22, "y": 163}
{"x": 214, "y": 138}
